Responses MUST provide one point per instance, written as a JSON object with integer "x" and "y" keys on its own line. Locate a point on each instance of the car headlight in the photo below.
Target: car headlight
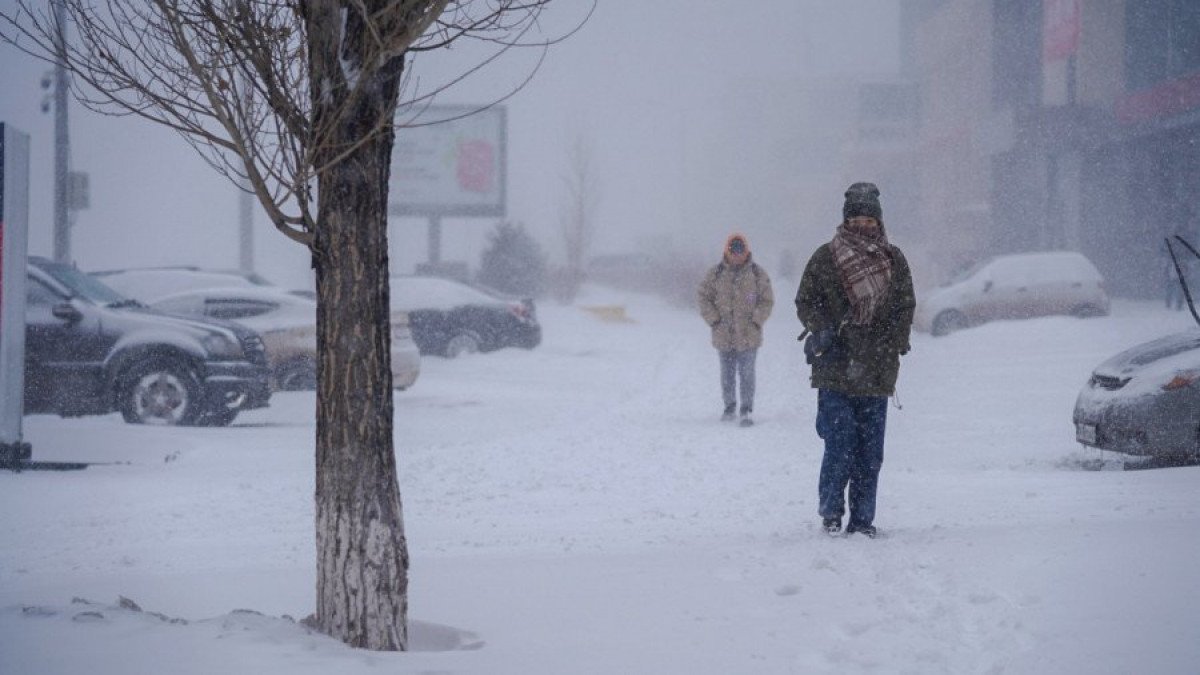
{"x": 220, "y": 346}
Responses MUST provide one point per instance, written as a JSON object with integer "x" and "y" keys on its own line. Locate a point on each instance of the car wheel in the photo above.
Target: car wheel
{"x": 297, "y": 376}
{"x": 1086, "y": 311}
{"x": 161, "y": 391}
{"x": 949, "y": 321}
{"x": 463, "y": 343}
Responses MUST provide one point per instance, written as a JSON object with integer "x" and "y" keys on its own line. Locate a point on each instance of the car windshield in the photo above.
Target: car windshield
{"x": 1163, "y": 348}
{"x": 84, "y": 285}
{"x": 966, "y": 271}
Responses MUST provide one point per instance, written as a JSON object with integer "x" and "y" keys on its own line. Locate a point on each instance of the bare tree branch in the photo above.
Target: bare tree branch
{"x": 233, "y": 76}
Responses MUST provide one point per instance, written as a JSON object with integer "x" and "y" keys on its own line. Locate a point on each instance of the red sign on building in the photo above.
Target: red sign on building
{"x": 1061, "y": 23}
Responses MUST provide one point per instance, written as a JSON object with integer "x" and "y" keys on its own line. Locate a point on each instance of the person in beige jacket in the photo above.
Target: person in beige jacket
{"x": 735, "y": 300}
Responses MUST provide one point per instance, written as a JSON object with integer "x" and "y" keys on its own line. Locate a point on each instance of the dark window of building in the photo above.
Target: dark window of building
{"x": 1186, "y": 35}
{"x": 1162, "y": 41}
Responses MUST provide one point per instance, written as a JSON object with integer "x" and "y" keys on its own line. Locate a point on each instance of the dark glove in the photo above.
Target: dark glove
{"x": 822, "y": 347}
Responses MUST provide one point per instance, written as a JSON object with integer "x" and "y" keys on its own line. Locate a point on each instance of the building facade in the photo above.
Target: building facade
{"x": 1051, "y": 124}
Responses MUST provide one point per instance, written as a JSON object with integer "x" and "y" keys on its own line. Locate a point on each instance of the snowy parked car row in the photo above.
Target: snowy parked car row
{"x": 287, "y": 320}
{"x": 288, "y": 325}
{"x": 1144, "y": 401}
{"x": 192, "y": 346}
{"x": 430, "y": 315}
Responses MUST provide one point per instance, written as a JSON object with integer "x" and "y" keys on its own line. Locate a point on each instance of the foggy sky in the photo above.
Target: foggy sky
{"x": 691, "y": 110}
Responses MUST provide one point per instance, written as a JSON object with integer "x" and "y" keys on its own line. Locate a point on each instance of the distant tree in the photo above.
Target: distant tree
{"x": 577, "y": 213}
{"x": 298, "y": 99}
{"x": 513, "y": 261}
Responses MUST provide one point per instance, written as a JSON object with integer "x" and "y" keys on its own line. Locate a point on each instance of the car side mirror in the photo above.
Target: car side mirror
{"x": 67, "y": 312}
{"x": 987, "y": 286}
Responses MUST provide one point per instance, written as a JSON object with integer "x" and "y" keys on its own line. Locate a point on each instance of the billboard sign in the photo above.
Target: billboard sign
{"x": 14, "y": 215}
{"x": 450, "y": 161}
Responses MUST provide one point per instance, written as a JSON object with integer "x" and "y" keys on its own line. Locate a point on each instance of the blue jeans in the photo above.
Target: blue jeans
{"x": 739, "y": 364}
{"x": 852, "y": 427}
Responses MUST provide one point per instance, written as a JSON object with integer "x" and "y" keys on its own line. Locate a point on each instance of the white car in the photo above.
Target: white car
{"x": 288, "y": 325}
{"x": 1015, "y": 286}
{"x": 150, "y": 284}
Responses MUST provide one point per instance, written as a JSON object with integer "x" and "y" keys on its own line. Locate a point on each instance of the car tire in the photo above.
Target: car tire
{"x": 947, "y": 322}
{"x": 160, "y": 391}
{"x": 461, "y": 343}
{"x": 297, "y": 376}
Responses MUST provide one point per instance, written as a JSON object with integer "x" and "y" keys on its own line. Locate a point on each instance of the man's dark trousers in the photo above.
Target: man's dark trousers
{"x": 852, "y": 427}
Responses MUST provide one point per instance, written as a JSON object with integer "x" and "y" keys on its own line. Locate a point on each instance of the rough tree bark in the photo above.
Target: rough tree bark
{"x": 362, "y": 555}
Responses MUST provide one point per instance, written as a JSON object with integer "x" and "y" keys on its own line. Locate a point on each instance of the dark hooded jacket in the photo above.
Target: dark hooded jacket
{"x": 869, "y": 358}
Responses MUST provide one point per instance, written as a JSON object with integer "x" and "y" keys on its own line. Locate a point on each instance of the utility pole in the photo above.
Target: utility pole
{"x": 246, "y": 230}
{"x": 62, "y": 153}
{"x": 245, "y": 196}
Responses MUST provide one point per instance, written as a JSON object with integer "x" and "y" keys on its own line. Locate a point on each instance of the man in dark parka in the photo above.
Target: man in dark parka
{"x": 856, "y": 297}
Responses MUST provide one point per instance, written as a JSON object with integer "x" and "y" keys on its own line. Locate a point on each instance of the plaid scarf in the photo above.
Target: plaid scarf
{"x": 864, "y": 264}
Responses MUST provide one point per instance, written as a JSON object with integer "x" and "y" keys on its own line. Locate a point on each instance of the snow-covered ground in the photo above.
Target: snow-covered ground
{"x": 579, "y": 508}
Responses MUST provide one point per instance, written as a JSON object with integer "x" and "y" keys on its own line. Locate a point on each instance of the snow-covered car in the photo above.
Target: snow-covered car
{"x": 89, "y": 350}
{"x": 1016, "y": 286}
{"x": 1145, "y": 400}
{"x": 150, "y": 284}
{"x": 287, "y": 323}
{"x": 450, "y": 318}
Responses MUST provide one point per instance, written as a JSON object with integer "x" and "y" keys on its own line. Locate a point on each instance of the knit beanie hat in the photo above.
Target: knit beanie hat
{"x": 862, "y": 199}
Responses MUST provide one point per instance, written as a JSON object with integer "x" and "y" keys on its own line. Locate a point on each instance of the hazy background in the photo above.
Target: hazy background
{"x": 701, "y": 120}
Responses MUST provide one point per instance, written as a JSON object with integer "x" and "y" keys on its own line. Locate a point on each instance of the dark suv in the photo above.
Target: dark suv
{"x": 88, "y": 350}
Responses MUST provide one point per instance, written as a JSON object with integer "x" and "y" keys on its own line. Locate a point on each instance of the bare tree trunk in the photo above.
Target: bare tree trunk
{"x": 362, "y": 556}
{"x": 361, "y": 588}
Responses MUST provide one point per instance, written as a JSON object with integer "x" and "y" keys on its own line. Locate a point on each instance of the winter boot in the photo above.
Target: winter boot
{"x": 746, "y": 419}
{"x": 868, "y": 530}
{"x": 728, "y": 415}
{"x": 831, "y": 525}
